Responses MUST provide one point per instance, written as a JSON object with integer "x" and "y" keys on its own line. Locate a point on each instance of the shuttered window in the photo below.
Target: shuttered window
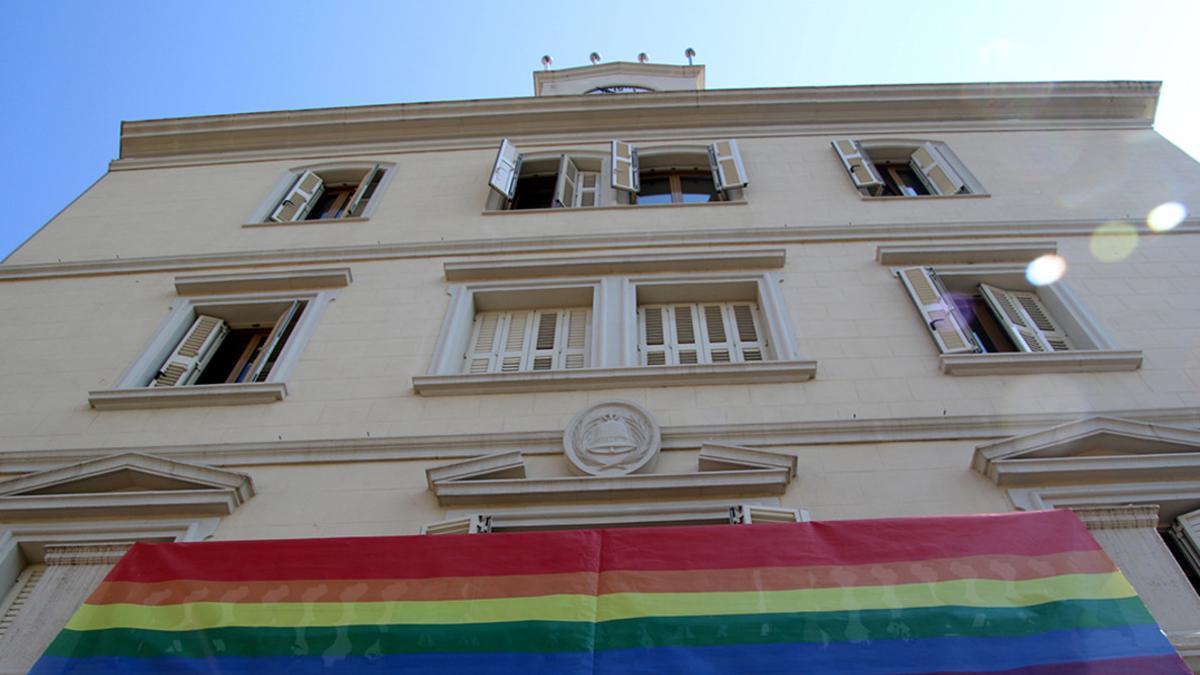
{"x": 531, "y": 339}
{"x": 328, "y": 194}
{"x": 899, "y": 170}
{"x": 686, "y": 334}
{"x": 1026, "y": 320}
{"x": 213, "y": 352}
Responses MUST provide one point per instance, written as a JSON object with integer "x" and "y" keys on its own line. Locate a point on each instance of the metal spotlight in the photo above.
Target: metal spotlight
{"x": 642, "y": 58}
{"x": 547, "y": 61}
{"x": 690, "y": 54}
{"x": 594, "y": 58}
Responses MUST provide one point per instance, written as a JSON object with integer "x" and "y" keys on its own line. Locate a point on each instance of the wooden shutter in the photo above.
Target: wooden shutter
{"x": 929, "y": 163}
{"x": 685, "y": 334}
{"x": 937, "y": 309}
{"x": 192, "y": 353}
{"x": 669, "y": 335}
{"x": 748, "y": 514}
{"x": 589, "y": 188}
{"x": 858, "y": 165}
{"x": 749, "y": 343}
{"x": 545, "y": 339}
{"x": 726, "y": 160}
{"x": 652, "y": 335}
{"x": 1026, "y": 320}
{"x": 261, "y": 367}
{"x": 567, "y": 187}
{"x": 506, "y": 169}
{"x": 300, "y": 198}
{"x": 624, "y": 167}
{"x": 16, "y": 598}
{"x": 364, "y": 192}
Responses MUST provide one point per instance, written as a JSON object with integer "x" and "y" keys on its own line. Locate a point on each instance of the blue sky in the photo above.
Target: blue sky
{"x": 73, "y": 70}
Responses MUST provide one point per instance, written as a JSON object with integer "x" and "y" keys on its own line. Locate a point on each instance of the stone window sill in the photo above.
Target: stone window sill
{"x": 615, "y": 207}
{"x": 615, "y": 378}
{"x": 1078, "y": 361}
{"x": 194, "y": 395}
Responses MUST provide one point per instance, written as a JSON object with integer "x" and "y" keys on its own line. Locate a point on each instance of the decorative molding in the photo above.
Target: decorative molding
{"x": 612, "y": 438}
{"x": 32, "y": 538}
{"x": 614, "y": 378}
{"x": 1128, "y": 102}
{"x": 462, "y": 446}
{"x": 1173, "y": 498}
{"x": 499, "y": 465}
{"x": 798, "y": 233}
{"x": 649, "y": 514}
{"x": 258, "y": 282}
{"x": 965, "y": 253}
{"x": 1117, "y": 517}
{"x": 719, "y": 457}
{"x": 101, "y": 487}
{"x": 84, "y": 554}
{"x": 191, "y": 395}
{"x": 1020, "y": 363}
{"x": 615, "y": 264}
{"x": 635, "y": 486}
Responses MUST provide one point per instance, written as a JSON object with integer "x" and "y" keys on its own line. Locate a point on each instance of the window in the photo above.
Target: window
{"x": 626, "y": 175}
{"x": 544, "y": 339}
{"x": 882, "y": 168}
{"x": 553, "y": 181}
{"x": 322, "y": 193}
{"x": 220, "y": 350}
{"x": 612, "y": 331}
{"x": 681, "y": 334}
{"x": 984, "y": 314}
{"x": 244, "y": 347}
{"x": 684, "y": 175}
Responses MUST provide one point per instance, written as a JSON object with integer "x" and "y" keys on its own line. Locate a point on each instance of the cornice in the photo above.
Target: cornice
{"x": 463, "y": 446}
{"x": 788, "y": 234}
{"x": 1118, "y": 101}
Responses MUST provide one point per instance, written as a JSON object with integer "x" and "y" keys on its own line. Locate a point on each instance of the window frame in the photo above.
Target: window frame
{"x": 498, "y": 203}
{"x": 613, "y": 357}
{"x": 260, "y": 217}
{"x": 890, "y": 150}
{"x": 133, "y": 388}
{"x": 1093, "y": 351}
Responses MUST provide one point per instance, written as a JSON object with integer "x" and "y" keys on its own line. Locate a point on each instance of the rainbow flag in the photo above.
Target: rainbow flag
{"x": 1022, "y": 592}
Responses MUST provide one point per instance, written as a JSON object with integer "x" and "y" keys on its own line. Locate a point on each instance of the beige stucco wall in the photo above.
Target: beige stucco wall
{"x": 796, "y": 181}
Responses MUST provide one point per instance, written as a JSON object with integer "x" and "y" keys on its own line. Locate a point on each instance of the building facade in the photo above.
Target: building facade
{"x": 626, "y": 300}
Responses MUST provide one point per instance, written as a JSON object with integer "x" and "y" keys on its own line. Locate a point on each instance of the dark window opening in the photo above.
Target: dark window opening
{"x": 900, "y": 180}
{"x": 332, "y": 203}
{"x": 1185, "y": 564}
{"x": 534, "y": 192}
{"x": 249, "y": 354}
{"x": 982, "y": 324}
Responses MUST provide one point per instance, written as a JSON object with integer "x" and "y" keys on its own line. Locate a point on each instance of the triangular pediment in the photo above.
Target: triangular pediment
{"x": 125, "y": 482}
{"x": 1094, "y": 449}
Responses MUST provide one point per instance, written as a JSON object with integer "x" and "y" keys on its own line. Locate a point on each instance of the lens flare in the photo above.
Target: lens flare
{"x": 1046, "y": 270}
{"x": 1166, "y": 216}
{"x": 1113, "y": 242}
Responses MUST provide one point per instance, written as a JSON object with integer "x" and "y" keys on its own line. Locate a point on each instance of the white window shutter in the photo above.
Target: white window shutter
{"x": 727, "y": 165}
{"x": 567, "y": 187}
{"x": 749, "y": 342}
{"x": 575, "y": 343}
{"x": 624, "y": 167}
{"x": 652, "y": 334}
{"x": 484, "y": 350}
{"x": 589, "y": 188}
{"x": 506, "y": 169}
{"x": 1026, "y": 320}
{"x": 939, "y": 177}
{"x": 356, "y": 204}
{"x": 937, "y": 309}
{"x": 748, "y": 514}
{"x": 300, "y": 198}
{"x": 718, "y": 338}
{"x": 1186, "y": 531}
{"x": 258, "y": 370}
{"x": 516, "y": 340}
{"x": 548, "y": 340}
{"x": 192, "y": 353}
{"x": 856, "y": 162}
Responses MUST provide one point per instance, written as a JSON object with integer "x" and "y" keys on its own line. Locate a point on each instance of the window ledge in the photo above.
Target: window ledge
{"x": 319, "y": 221}
{"x": 615, "y": 378}
{"x": 913, "y": 198}
{"x": 194, "y": 395}
{"x": 1078, "y": 361}
{"x": 617, "y": 207}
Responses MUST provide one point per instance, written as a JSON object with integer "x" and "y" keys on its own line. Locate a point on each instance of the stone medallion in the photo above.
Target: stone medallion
{"x": 613, "y": 438}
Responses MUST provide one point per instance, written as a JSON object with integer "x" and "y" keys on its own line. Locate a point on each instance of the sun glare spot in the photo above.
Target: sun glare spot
{"x": 1046, "y": 270}
{"x": 1112, "y": 242}
{"x": 1166, "y": 216}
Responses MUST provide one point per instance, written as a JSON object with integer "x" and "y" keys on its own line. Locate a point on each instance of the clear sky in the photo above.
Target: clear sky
{"x": 72, "y": 70}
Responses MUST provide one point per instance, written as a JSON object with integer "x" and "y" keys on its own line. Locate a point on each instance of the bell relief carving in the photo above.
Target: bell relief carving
{"x": 612, "y": 438}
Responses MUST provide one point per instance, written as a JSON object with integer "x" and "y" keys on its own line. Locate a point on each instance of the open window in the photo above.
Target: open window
{"x": 882, "y": 168}
{"x": 983, "y": 313}
{"x": 678, "y": 175}
{"x": 544, "y": 181}
{"x": 326, "y": 193}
